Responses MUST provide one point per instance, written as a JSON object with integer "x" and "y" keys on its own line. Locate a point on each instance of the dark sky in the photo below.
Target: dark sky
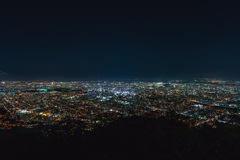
{"x": 71, "y": 41}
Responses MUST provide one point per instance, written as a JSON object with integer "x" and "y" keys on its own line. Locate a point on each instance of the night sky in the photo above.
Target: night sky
{"x": 70, "y": 41}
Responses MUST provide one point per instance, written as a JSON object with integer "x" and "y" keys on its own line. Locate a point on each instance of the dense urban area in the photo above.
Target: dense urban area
{"x": 68, "y": 108}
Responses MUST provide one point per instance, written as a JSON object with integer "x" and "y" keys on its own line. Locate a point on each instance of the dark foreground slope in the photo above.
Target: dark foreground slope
{"x": 132, "y": 138}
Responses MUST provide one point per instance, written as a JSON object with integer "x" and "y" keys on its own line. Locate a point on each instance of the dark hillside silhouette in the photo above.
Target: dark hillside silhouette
{"x": 131, "y": 138}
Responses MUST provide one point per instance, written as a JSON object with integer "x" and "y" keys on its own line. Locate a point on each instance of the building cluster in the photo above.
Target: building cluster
{"x": 68, "y": 108}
